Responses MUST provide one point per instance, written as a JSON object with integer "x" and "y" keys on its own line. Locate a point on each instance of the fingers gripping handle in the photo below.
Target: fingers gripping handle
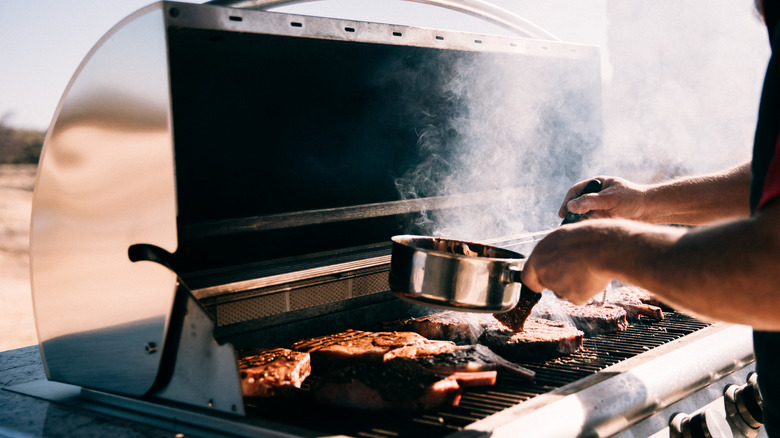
{"x": 593, "y": 186}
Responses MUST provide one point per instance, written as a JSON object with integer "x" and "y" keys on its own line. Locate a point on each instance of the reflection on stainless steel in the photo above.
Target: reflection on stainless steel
{"x": 476, "y": 8}
{"x": 430, "y": 271}
{"x": 105, "y": 182}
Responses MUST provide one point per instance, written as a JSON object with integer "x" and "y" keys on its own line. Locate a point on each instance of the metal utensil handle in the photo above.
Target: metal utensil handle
{"x": 476, "y": 8}
{"x": 593, "y": 186}
{"x": 512, "y": 274}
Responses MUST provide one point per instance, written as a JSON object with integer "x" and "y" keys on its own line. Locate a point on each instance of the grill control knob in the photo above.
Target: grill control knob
{"x": 705, "y": 424}
{"x": 744, "y": 406}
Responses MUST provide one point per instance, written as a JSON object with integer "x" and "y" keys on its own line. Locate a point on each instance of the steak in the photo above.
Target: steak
{"x": 635, "y": 301}
{"x": 436, "y": 356}
{"x": 458, "y": 327}
{"x": 393, "y": 386}
{"x": 540, "y": 339}
{"x": 458, "y": 359}
{"x": 350, "y": 346}
{"x": 590, "y": 318}
{"x": 270, "y": 371}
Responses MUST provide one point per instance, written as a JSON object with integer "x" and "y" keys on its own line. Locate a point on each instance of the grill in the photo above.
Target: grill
{"x": 218, "y": 180}
{"x": 599, "y": 353}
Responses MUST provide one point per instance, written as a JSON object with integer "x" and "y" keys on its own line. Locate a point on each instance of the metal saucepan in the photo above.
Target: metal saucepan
{"x": 454, "y": 274}
{"x": 465, "y": 276}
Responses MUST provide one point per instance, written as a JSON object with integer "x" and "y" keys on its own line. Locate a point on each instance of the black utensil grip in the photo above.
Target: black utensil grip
{"x": 593, "y": 186}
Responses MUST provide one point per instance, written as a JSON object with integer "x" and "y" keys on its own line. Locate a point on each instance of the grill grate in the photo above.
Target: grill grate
{"x": 599, "y": 352}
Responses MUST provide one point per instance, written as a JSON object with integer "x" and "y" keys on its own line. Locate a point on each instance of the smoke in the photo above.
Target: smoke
{"x": 510, "y": 137}
{"x": 682, "y": 94}
{"x": 674, "y": 92}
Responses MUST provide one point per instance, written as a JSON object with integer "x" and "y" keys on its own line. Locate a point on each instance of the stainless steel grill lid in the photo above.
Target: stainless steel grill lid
{"x": 182, "y": 131}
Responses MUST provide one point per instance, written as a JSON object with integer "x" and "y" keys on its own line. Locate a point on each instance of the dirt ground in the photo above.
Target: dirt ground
{"x": 17, "y": 325}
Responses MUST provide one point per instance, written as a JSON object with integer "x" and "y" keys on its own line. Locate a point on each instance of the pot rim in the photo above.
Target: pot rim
{"x": 407, "y": 240}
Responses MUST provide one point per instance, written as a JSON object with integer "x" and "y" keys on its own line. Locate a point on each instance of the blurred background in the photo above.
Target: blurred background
{"x": 681, "y": 82}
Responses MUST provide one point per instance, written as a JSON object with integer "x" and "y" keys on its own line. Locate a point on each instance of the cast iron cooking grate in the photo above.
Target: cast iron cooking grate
{"x": 599, "y": 352}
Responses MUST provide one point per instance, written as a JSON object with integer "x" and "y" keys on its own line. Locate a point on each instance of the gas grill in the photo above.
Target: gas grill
{"x": 220, "y": 179}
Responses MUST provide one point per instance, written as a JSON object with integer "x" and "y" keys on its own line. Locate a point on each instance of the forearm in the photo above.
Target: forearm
{"x": 726, "y": 272}
{"x": 699, "y": 200}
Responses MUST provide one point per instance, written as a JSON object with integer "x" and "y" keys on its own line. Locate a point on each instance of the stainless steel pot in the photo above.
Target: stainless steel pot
{"x": 453, "y": 274}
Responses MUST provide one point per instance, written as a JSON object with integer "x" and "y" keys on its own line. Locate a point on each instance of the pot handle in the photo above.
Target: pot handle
{"x": 513, "y": 275}
{"x": 476, "y": 8}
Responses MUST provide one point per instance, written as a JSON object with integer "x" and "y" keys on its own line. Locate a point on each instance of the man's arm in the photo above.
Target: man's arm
{"x": 688, "y": 201}
{"x": 727, "y": 272}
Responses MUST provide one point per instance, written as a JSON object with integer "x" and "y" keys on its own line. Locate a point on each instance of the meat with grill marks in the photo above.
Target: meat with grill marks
{"x": 540, "y": 339}
{"x": 459, "y": 359}
{"x": 635, "y": 301}
{"x": 352, "y": 346}
{"x": 393, "y": 386}
{"x": 590, "y": 318}
{"x": 398, "y": 371}
{"x": 458, "y": 327}
{"x": 436, "y": 356}
{"x": 268, "y": 372}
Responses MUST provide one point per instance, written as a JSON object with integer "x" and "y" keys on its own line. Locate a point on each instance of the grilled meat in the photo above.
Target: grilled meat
{"x": 540, "y": 339}
{"x": 269, "y": 371}
{"x": 355, "y": 345}
{"x": 590, "y": 318}
{"x": 636, "y": 302}
{"x": 391, "y": 386}
{"x": 633, "y": 293}
{"x": 436, "y": 356}
{"x": 458, "y": 327}
{"x": 458, "y": 359}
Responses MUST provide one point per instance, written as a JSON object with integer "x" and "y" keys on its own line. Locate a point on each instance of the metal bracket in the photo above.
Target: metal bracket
{"x": 205, "y": 374}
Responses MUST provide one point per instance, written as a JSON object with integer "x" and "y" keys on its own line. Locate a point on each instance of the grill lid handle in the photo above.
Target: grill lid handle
{"x": 476, "y": 8}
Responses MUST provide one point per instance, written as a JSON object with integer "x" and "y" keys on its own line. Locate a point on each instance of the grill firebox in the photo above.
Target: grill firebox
{"x": 599, "y": 353}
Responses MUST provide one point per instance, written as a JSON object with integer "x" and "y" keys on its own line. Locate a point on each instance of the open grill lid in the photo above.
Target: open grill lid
{"x": 218, "y": 138}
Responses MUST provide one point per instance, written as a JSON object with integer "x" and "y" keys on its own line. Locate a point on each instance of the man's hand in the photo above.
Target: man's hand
{"x": 567, "y": 261}
{"x": 617, "y": 198}
{"x": 686, "y": 201}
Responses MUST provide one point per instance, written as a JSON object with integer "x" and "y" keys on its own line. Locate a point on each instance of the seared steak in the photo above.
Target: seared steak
{"x": 270, "y": 371}
{"x": 635, "y": 301}
{"x": 458, "y": 327}
{"x": 540, "y": 339}
{"x": 458, "y": 359}
{"x": 355, "y": 345}
{"x": 590, "y": 318}
{"x": 391, "y": 386}
{"x": 436, "y": 356}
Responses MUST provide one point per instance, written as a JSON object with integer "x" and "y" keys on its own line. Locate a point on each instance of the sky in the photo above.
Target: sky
{"x": 43, "y": 42}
